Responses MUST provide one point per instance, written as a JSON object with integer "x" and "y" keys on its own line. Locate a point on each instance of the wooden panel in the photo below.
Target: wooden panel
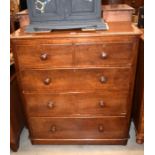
{"x": 75, "y": 104}
{"x": 78, "y": 128}
{"x": 104, "y": 54}
{"x": 115, "y": 16}
{"x": 80, "y": 141}
{"x": 75, "y": 80}
{"x": 44, "y": 56}
{"x": 138, "y": 98}
{"x": 117, "y": 12}
{"x": 17, "y": 120}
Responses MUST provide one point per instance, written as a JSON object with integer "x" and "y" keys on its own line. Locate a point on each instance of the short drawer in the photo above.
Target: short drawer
{"x": 104, "y": 54}
{"x": 78, "y": 128}
{"x": 75, "y": 80}
{"x": 44, "y": 56}
{"x": 75, "y": 104}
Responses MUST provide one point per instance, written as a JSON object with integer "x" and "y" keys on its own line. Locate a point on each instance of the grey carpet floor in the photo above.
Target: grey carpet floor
{"x": 26, "y": 148}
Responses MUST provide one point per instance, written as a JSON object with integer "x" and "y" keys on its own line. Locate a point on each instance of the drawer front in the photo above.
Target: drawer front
{"x": 78, "y": 128}
{"x": 75, "y": 104}
{"x": 75, "y": 80}
{"x": 44, "y": 56}
{"x": 104, "y": 54}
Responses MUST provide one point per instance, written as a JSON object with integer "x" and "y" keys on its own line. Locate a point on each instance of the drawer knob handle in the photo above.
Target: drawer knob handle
{"x": 100, "y": 128}
{"x": 50, "y": 105}
{"x": 44, "y": 56}
{"x": 102, "y": 104}
{"x": 53, "y": 129}
{"x": 104, "y": 55}
{"x": 47, "y": 81}
{"x": 133, "y": 1}
{"x": 103, "y": 79}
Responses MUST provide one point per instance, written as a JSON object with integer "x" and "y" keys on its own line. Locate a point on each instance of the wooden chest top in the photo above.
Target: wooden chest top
{"x": 115, "y": 29}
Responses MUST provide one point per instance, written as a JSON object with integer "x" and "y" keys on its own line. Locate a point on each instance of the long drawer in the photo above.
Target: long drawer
{"x": 75, "y": 79}
{"x": 78, "y": 128}
{"x": 77, "y": 104}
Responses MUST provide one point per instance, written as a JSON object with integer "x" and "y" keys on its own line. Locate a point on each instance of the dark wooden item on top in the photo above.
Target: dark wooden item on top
{"x": 16, "y": 113}
{"x": 141, "y": 18}
{"x": 23, "y": 18}
{"x": 117, "y": 13}
{"x": 135, "y": 4}
{"x": 77, "y": 86}
{"x": 23, "y": 5}
{"x": 112, "y": 1}
{"x": 138, "y": 109}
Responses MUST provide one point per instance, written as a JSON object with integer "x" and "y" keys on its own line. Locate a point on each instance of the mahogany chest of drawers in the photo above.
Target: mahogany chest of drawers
{"x": 77, "y": 86}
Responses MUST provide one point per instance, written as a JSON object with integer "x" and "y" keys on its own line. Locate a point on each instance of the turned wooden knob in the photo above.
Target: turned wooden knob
{"x": 103, "y": 79}
{"x": 104, "y": 55}
{"x": 47, "y": 81}
{"x": 102, "y": 104}
{"x": 44, "y": 56}
{"x": 50, "y": 105}
{"x": 53, "y": 129}
{"x": 133, "y": 1}
{"x": 100, "y": 128}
